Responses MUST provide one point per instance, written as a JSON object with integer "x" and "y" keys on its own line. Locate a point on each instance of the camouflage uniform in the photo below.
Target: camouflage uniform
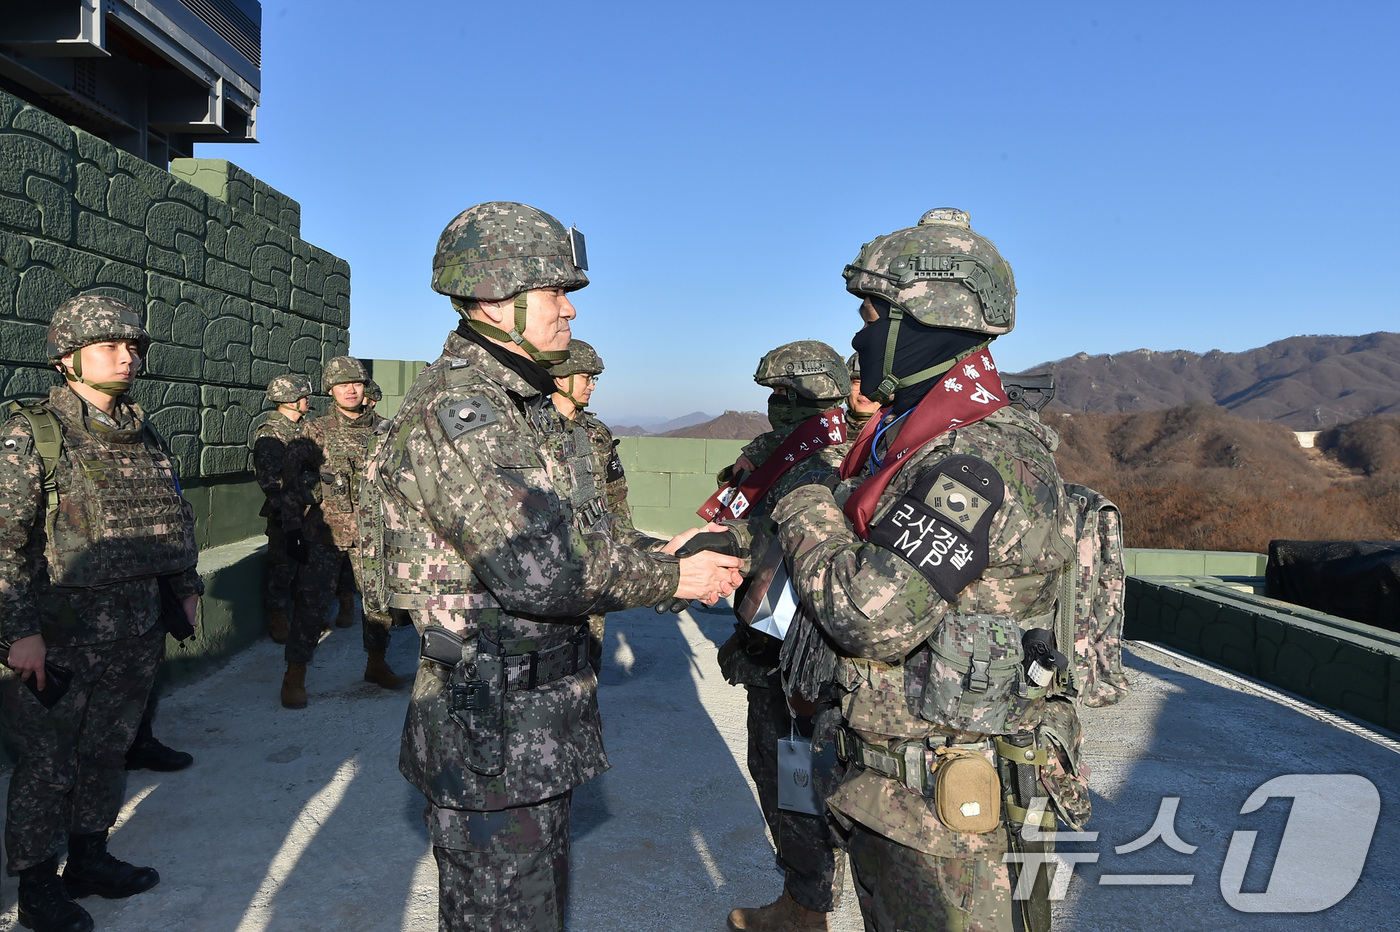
{"x": 330, "y": 459}
{"x": 607, "y": 475}
{"x": 806, "y": 848}
{"x": 900, "y": 696}
{"x": 492, "y": 529}
{"x": 88, "y": 584}
{"x": 270, "y": 441}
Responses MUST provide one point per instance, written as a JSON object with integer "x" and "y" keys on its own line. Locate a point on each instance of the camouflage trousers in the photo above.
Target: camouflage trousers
{"x": 904, "y": 890}
{"x": 279, "y": 570}
{"x": 71, "y": 773}
{"x": 503, "y": 871}
{"x": 807, "y": 844}
{"x": 327, "y": 571}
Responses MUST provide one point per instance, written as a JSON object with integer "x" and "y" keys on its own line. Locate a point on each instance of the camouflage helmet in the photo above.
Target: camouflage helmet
{"x": 288, "y": 388}
{"x": 94, "y": 318}
{"x": 809, "y": 368}
{"x": 940, "y": 273}
{"x": 583, "y": 360}
{"x": 497, "y": 250}
{"x": 343, "y": 369}
{"x": 853, "y": 366}
{"x": 373, "y": 392}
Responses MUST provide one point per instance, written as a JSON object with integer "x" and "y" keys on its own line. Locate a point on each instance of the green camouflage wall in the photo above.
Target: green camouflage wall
{"x": 232, "y": 294}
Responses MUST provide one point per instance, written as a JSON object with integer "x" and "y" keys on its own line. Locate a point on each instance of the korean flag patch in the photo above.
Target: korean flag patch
{"x": 940, "y": 527}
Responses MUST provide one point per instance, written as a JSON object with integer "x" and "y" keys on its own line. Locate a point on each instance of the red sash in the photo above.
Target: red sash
{"x": 819, "y": 430}
{"x": 965, "y": 394}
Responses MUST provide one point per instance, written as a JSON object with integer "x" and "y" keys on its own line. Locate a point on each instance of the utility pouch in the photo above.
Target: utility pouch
{"x": 477, "y": 702}
{"x": 966, "y": 791}
{"x": 970, "y": 678}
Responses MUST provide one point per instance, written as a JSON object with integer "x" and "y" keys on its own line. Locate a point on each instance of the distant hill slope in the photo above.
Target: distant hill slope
{"x": 731, "y": 425}
{"x": 1304, "y": 383}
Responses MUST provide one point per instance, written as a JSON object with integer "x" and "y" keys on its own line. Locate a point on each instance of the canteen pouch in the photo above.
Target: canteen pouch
{"x": 966, "y": 791}
{"x": 969, "y": 677}
{"x": 477, "y": 702}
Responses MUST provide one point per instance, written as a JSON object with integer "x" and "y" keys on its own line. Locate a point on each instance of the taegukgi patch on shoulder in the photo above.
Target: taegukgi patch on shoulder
{"x": 941, "y": 525}
{"x": 459, "y": 417}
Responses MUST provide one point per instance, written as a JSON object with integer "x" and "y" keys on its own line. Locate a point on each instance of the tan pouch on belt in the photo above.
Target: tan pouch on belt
{"x": 966, "y": 791}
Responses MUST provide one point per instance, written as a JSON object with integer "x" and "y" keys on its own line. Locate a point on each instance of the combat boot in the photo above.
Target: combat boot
{"x": 278, "y": 625}
{"x": 92, "y": 870}
{"x": 378, "y": 672}
{"x": 782, "y": 915}
{"x": 44, "y": 904}
{"x": 346, "y": 616}
{"x": 147, "y": 753}
{"x": 294, "y": 686}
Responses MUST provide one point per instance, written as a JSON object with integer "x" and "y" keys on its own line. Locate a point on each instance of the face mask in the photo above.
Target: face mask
{"x": 787, "y": 411}
{"x": 918, "y": 348}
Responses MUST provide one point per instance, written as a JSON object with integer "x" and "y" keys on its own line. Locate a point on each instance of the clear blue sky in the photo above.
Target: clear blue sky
{"x": 1187, "y": 175}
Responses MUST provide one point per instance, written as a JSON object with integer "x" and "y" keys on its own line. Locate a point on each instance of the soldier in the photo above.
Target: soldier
{"x": 859, "y": 409}
{"x": 373, "y": 396}
{"x": 574, "y": 381}
{"x": 932, "y": 572}
{"x": 291, "y": 395}
{"x": 809, "y": 382}
{"x": 94, "y": 525}
{"x": 495, "y": 537}
{"x": 329, "y": 462}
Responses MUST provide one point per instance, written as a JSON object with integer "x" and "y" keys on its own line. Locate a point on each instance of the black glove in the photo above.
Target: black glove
{"x": 725, "y": 542}
{"x": 296, "y": 546}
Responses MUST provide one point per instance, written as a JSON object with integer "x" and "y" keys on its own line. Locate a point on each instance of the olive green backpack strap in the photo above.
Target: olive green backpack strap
{"x": 48, "y": 440}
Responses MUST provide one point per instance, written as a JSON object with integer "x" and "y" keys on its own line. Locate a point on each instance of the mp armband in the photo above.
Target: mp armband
{"x": 941, "y": 526}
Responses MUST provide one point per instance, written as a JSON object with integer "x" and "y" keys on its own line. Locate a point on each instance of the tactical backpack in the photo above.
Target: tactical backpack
{"x": 1097, "y": 598}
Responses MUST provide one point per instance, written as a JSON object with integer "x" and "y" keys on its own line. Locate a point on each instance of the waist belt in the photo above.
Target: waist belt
{"x": 522, "y": 671}
{"x": 909, "y": 762}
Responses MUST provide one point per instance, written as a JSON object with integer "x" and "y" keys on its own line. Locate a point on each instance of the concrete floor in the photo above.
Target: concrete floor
{"x": 300, "y": 820}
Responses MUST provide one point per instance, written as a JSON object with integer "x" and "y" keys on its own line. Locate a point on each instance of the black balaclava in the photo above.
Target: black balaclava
{"x": 918, "y": 347}
{"x": 786, "y": 411}
{"x": 532, "y": 372}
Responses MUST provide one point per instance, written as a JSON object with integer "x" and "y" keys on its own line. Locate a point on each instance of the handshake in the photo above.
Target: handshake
{"x": 710, "y": 558}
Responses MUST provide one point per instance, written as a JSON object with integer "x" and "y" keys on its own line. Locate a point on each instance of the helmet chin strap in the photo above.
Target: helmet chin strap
{"x": 516, "y": 335}
{"x": 884, "y": 392}
{"x": 578, "y": 405}
{"x": 114, "y": 389}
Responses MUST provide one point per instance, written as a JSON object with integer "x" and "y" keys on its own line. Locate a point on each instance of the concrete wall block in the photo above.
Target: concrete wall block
{"x": 156, "y": 181}
{"x": 193, "y": 255}
{"x": 51, "y": 128}
{"x": 238, "y": 248}
{"x": 228, "y": 277}
{"x": 207, "y": 175}
{"x": 279, "y": 344}
{"x": 56, "y": 208}
{"x": 22, "y": 156}
{"x": 9, "y": 107}
{"x": 9, "y": 288}
{"x": 14, "y": 250}
{"x": 304, "y": 355}
{"x": 80, "y": 268}
{"x": 100, "y": 235}
{"x": 261, "y": 293}
{"x": 129, "y": 202}
{"x": 224, "y": 460}
{"x": 265, "y": 371}
{"x": 101, "y": 153}
{"x": 671, "y": 454}
{"x": 290, "y": 220}
{"x": 266, "y": 206}
{"x": 41, "y": 289}
{"x": 173, "y": 361}
{"x": 211, "y": 425}
{"x": 215, "y": 238}
{"x": 280, "y": 237}
{"x": 218, "y": 370}
{"x": 171, "y": 420}
{"x": 258, "y": 347}
{"x": 308, "y": 304}
{"x": 164, "y": 260}
{"x": 189, "y": 195}
{"x": 163, "y": 287}
{"x": 25, "y": 381}
{"x": 270, "y": 257}
{"x": 239, "y": 194}
{"x": 160, "y": 318}
{"x": 20, "y": 215}
{"x": 188, "y": 326}
{"x": 227, "y": 339}
{"x": 649, "y": 489}
{"x": 220, "y": 212}
{"x": 167, "y": 218}
{"x": 90, "y": 187}
{"x": 23, "y": 343}
{"x": 282, "y": 288}
{"x": 185, "y": 450}
{"x": 127, "y": 277}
